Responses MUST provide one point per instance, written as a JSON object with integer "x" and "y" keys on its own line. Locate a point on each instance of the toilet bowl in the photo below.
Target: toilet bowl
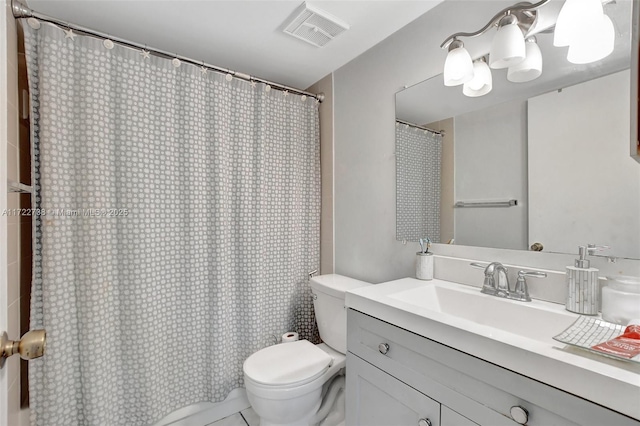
{"x": 296, "y": 383}
{"x": 295, "y": 399}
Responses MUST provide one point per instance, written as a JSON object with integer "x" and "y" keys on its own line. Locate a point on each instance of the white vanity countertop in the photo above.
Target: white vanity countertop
{"x": 608, "y": 382}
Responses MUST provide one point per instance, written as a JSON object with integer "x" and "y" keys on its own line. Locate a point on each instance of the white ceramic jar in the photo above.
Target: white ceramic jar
{"x": 621, "y": 299}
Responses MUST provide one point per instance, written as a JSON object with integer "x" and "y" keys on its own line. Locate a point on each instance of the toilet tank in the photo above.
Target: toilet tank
{"x": 328, "y": 304}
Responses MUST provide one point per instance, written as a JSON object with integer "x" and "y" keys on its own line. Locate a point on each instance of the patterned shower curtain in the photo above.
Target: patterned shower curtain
{"x": 180, "y": 219}
{"x": 418, "y": 168}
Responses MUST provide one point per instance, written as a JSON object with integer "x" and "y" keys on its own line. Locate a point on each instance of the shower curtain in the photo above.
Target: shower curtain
{"x": 180, "y": 213}
{"x": 418, "y": 165}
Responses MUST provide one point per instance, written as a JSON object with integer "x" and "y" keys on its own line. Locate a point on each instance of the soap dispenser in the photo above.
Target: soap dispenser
{"x": 583, "y": 289}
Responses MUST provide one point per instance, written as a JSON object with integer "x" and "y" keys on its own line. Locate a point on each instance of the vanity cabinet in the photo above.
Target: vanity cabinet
{"x": 384, "y": 400}
{"x": 397, "y": 378}
{"x": 448, "y": 417}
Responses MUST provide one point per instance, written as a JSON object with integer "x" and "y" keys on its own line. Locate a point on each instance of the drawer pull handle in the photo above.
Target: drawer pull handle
{"x": 424, "y": 422}
{"x": 383, "y": 348}
{"x": 519, "y": 414}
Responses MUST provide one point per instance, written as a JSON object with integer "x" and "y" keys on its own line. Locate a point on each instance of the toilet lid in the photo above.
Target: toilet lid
{"x": 286, "y": 363}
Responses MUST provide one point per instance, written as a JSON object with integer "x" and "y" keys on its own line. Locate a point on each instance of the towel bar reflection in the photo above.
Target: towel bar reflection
{"x": 507, "y": 203}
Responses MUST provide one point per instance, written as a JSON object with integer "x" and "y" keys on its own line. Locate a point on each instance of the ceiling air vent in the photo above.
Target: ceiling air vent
{"x": 313, "y": 25}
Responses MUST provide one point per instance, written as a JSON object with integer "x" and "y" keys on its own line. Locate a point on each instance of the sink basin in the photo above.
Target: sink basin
{"x": 533, "y": 320}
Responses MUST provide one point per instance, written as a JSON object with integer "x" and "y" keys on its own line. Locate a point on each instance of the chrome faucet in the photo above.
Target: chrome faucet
{"x": 490, "y": 286}
{"x": 500, "y": 287}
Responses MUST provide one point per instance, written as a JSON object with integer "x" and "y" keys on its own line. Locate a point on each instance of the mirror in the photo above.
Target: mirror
{"x": 542, "y": 165}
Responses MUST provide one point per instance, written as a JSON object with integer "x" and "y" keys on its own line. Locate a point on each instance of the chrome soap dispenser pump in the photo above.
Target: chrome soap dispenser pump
{"x": 583, "y": 289}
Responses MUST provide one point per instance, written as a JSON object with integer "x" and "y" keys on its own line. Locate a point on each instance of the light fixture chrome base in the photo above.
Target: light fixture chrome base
{"x": 526, "y": 19}
{"x": 455, "y": 43}
{"x": 525, "y": 12}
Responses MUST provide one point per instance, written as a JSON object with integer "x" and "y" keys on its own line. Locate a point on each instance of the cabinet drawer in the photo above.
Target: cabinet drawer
{"x": 448, "y": 417}
{"x": 375, "y": 398}
{"x": 478, "y": 390}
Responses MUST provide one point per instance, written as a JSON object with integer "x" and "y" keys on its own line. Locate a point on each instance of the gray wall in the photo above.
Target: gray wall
{"x": 447, "y": 190}
{"x": 325, "y": 86}
{"x": 579, "y": 147}
{"x": 491, "y": 164}
{"x": 364, "y": 115}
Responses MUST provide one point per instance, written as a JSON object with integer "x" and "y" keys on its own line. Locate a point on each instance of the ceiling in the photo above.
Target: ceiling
{"x": 243, "y": 36}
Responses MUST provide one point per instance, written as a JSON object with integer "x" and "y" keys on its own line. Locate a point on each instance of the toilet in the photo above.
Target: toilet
{"x": 298, "y": 383}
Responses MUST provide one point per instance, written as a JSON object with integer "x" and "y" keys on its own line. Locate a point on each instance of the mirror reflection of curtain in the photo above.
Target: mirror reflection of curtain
{"x": 418, "y": 164}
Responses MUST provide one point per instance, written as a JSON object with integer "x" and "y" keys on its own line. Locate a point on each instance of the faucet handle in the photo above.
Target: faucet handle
{"x": 521, "y": 292}
{"x": 489, "y": 267}
{"x": 592, "y": 248}
{"x": 478, "y": 265}
{"x": 536, "y": 274}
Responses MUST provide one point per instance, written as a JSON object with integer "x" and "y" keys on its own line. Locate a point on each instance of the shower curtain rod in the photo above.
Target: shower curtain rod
{"x": 406, "y": 123}
{"x": 21, "y": 10}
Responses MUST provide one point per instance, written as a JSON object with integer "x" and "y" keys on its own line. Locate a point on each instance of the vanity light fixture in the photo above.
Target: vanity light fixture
{"x": 582, "y": 25}
{"x": 574, "y": 15}
{"x": 586, "y": 29}
{"x": 531, "y": 67}
{"x": 481, "y": 83}
{"x": 593, "y": 43}
{"x": 507, "y": 47}
{"x": 458, "y": 67}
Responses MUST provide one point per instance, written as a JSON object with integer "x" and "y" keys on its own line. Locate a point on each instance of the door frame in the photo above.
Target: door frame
{"x": 4, "y": 120}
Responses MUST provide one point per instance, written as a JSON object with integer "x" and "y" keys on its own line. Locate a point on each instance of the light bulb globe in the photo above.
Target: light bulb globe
{"x": 482, "y": 81}
{"x": 593, "y": 44}
{"x": 574, "y": 15}
{"x": 507, "y": 47}
{"x": 530, "y": 68}
{"x": 458, "y": 67}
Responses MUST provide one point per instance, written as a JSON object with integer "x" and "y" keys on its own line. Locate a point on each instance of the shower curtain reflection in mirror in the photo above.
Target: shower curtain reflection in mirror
{"x": 418, "y": 165}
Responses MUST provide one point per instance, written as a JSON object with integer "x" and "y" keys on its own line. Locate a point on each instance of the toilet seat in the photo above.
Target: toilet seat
{"x": 288, "y": 364}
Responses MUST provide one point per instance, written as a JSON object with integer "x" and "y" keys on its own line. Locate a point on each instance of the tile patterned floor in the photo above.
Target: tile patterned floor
{"x": 246, "y": 417}
{"x": 250, "y": 417}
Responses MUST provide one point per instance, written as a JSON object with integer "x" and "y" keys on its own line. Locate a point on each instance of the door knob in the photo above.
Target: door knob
{"x": 32, "y": 345}
{"x": 383, "y": 348}
{"x": 424, "y": 422}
